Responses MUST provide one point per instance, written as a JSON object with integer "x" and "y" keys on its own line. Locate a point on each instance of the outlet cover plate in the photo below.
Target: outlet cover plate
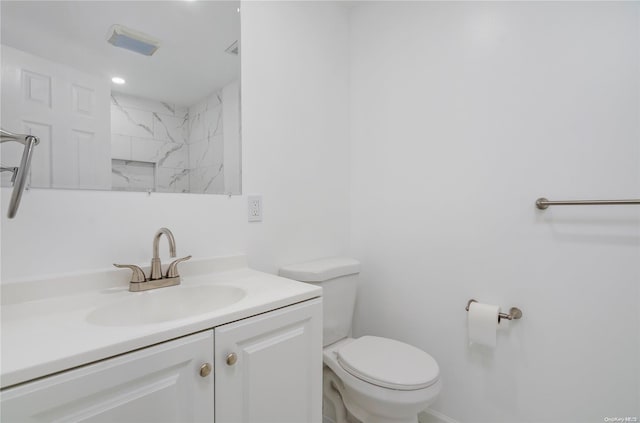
{"x": 254, "y": 208}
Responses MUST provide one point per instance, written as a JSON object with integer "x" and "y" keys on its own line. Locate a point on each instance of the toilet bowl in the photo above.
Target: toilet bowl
{"x": 389, "y": 395}
{"x": 371, "y": 378}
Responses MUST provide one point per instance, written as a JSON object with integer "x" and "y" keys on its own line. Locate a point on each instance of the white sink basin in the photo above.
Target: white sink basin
{"x": 165, "y": 304}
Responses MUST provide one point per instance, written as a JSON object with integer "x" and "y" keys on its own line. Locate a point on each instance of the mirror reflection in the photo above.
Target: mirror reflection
{"x": 133, "y": 96}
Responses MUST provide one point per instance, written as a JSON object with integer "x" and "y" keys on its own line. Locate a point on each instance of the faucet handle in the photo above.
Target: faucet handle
{"x": 172, "y": 271}
{"x": 137, "y": 275}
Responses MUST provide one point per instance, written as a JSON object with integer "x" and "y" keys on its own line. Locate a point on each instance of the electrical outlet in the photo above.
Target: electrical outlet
{"x": 254, "y": 207}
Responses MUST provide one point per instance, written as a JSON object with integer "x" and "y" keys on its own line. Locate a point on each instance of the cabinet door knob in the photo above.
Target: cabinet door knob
{"x": 205, "y": 370}
{"x": 231, "y": 359}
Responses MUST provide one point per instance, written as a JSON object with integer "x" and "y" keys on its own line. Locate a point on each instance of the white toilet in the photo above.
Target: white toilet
{"x": 375, "y": 379}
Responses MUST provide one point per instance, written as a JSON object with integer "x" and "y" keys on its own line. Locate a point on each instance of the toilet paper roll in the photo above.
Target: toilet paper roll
{"x": 483, "y": 324}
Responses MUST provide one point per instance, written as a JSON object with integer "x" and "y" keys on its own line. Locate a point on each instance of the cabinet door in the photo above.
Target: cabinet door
{"x": 156, "y": 384}
{"x": 277, "y": 377}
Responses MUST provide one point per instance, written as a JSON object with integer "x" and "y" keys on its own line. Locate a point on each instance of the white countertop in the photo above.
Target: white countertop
{"x": 45, "y": 328}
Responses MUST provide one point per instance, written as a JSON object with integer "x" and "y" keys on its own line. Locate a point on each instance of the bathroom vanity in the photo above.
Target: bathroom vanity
{"x": 229, "y": 344}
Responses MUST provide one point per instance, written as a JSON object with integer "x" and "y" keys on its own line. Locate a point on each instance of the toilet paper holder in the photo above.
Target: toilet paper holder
{"x": 514, "y": 312}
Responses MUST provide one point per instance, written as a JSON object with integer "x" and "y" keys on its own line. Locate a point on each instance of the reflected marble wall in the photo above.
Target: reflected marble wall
{"x": 149, "y": 132}
{"x": 162, "y": 147}
{"x": 206, "y": 146}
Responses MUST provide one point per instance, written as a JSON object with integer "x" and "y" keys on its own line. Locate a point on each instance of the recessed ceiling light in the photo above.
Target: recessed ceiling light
{"x": 117, "y": 80}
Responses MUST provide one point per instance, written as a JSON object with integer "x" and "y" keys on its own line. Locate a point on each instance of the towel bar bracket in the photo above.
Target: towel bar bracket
{"x": 13, "y": 170}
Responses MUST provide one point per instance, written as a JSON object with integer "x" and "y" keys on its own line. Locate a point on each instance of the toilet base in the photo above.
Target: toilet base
{"x": 351, "y": 412}
{"x": 363, "y": 416}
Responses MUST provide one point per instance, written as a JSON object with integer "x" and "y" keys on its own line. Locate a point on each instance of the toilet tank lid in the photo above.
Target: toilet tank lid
{"x": 321, "y": 270}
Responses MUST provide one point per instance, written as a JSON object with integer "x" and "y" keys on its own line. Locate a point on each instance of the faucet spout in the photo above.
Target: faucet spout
{"x": 156, "y": 266}
{"x": 170, "y": 238}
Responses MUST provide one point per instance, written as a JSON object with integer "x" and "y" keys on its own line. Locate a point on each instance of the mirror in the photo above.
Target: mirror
{"x": 172, "y": 126}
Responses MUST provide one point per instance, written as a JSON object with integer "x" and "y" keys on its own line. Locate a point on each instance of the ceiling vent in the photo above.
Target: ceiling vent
{"x": 233, "y": 48}
{"x": 132, "y": 40}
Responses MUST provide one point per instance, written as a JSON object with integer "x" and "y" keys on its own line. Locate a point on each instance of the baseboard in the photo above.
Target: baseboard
{"x": 433, "y": 416}
{"x": 427, "y": 416}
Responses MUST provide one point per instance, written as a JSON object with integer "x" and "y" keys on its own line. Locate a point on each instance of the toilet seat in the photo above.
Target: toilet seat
{"x": 369, "y": 402}
{"x": 388, "y": 363}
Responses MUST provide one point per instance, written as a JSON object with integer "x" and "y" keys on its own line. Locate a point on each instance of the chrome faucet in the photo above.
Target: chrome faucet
{"x": 138, "y": 280}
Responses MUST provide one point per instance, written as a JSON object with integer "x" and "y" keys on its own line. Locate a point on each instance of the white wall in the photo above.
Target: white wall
{"x": 462, "y": 114}
{"x": 294, "y": 106}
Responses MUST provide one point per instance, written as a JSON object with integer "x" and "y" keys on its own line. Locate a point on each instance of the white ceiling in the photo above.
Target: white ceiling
{"x": 190, "y": 63}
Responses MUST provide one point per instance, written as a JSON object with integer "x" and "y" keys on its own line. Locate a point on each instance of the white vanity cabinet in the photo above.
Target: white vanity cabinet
{"x": 161, "y": 383}
{"x": 269, "y": 367}
{"x": 276, "y": 377}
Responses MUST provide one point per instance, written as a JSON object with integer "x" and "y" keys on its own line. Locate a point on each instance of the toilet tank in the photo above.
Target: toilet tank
{"x": 338, "y": 277}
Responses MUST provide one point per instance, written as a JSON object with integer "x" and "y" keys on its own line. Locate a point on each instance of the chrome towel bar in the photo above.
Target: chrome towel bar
{"x": 542, "y": 203}
{"x": 21, "y": 172}
{"x": 514, "y": 312}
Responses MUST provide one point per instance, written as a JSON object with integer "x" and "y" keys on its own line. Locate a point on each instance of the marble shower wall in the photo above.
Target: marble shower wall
{"x": 206, "y": 146}
{"x": 161, "y": 147}
{"x": 149, "y": 148}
